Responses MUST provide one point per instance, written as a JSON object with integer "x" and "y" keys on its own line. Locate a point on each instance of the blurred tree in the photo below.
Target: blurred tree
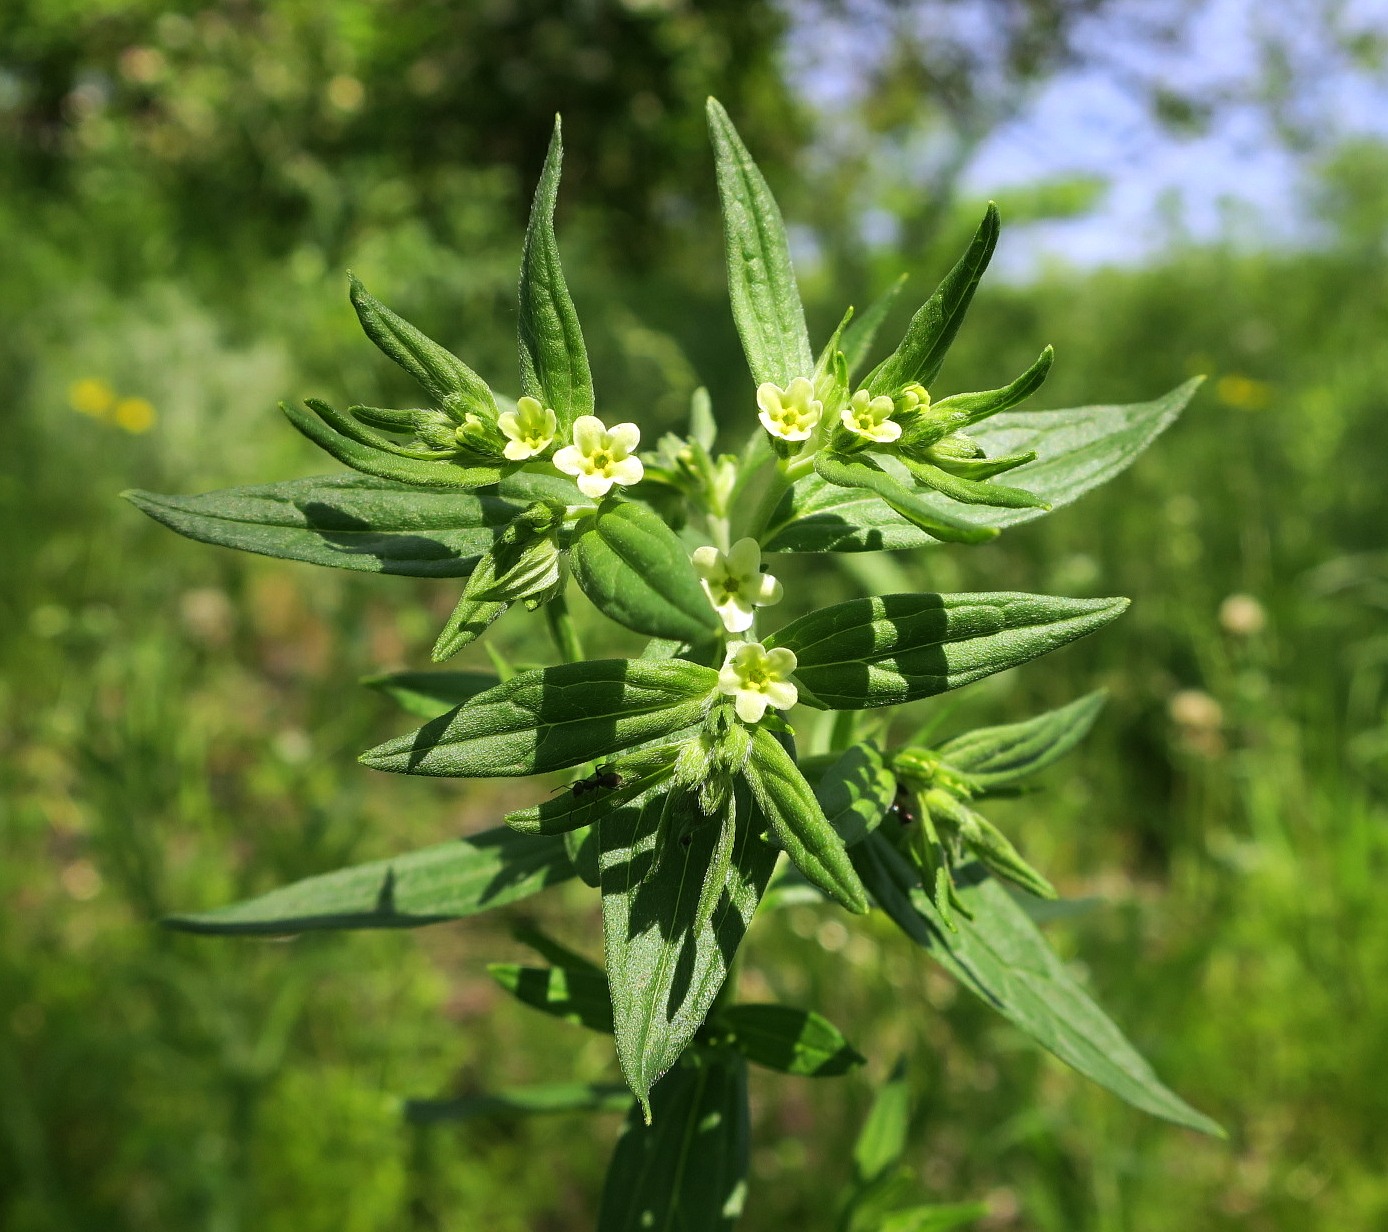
{"x": 279, "y": 117}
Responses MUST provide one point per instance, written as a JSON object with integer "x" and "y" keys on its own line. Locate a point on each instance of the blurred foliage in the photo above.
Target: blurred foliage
{"x": 181, "y": 189}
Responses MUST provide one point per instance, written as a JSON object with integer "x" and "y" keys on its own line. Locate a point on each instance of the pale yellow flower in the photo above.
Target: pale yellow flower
{"x": 529, "y": 429}
{"x": 871, "y": 417}
{"x": 735, "y": 584}
{"x": 790, "y": 413}
{"x": 134, "y": 414}
{"x": 600, "y": 457}
{"x": 757, "y": 678}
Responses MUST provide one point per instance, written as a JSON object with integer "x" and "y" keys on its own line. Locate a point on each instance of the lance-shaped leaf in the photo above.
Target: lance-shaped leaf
{"x": 635, "y": 773}
{"x": 449, "y": 381}
{"x": 797, "y": 822}
{"x": 429, "y": 694}
{"x": 933, "y": 1217}
{"x": 446, "y": 882}
{"x": 932, "y": 329}
{"x": 882, "y": 1140}
{"x": 761, "y": 283}
{"x": 553, "y": 359}
{"x": 889, "y": 649}
{"x": 862, "y": 333}
{"x": 664, "y": 972}
{"x": 997, "y": 953}
{"x": 1079, "y": 449}
{"x": 855, "y": 792}
{"x": 865, "y": 474}
{"x": 522, "y": 1101}
{"x": 789, "y": 1040}
{"x": 575, "y": 994}
{"x": 972, "y": 491}
{"x": 636, "y": 570}
{"x": 344, "y": 521}
{"x": 684, "y": 1169}
{"x": 997, "y": 757}
{"x": 964, "y": 410}
{"x": 553, "y": 718}
{"x": 342, "y": 437}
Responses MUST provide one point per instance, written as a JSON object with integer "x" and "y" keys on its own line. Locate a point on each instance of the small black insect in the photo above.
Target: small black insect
{"x": 901, "y": 808}
{"x": 604, "y": 778}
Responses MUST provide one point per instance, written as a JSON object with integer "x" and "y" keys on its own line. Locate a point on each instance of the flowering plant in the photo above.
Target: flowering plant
{"x": 697, "y": 802}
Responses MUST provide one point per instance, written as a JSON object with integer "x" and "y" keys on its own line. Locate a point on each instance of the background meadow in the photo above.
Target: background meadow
{"x": 181, "y": 189}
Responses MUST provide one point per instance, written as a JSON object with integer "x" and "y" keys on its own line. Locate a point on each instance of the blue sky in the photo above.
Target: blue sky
{"x": 1237, "y": 177}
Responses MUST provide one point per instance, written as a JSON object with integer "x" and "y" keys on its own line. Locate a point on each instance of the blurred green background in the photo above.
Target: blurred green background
{"x": 182, "y": 186}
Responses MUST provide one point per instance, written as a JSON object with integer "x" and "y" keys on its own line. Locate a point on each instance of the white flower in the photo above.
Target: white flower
{"x": 600, "y": 457}
{"x": 789, "y": 413}
{"x": 735, "y": 584}
{"x": 529, "y": 429}
{"x": 756, "y": 678}
{"x": 871, "y": 417}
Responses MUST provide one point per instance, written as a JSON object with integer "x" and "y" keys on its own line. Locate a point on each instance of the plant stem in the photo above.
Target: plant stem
{"x": 561, "y": 629}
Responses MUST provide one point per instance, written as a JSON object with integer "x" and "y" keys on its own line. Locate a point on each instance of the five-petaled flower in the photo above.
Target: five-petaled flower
{"x": 529, "y": 429}
{"x": 735, "y": 584}
{"x": 790, "y": 413}
{"x": 600, "y": 457}
{"x": 871, "y": 417}
{"x": 757, "y": 678}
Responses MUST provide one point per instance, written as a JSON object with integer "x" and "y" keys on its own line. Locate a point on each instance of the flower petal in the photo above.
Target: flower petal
{"x": 627, "y": 471}
{"x": 769, "y": 591}
{"x": 518, "y": 451}
{"x": 570, "y": 460}
{"x": 782, "y": 694}
{"x": 623, "y": 437}
{"x": 750, "y": 706}
{"x": 886, "y": 432}
{"x": 708, "y": 563}
{"x": 736, "y": 615}
{"x": 589, "y": 433}
{"x": 781, "y": 662}
{"x": 594, "y": 485}
{"x": 729, "y": 681}
{"x": 744, "y": 558}
{"x": 509, "y": 423}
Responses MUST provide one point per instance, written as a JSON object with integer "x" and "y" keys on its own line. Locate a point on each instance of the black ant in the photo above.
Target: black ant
{"x": 604, "y": 778}
{"x": 901, "y": 807}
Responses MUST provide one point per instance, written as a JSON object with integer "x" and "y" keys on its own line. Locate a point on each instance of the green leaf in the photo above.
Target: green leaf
{"x": 882, "y": 1141}
{"x": 995, "y": 757}
{"x": 429, "y": 694}
{"x": 967, "y": 409}
{"x": 932, "y": 329}
{"x": 1079, "y": 449}
{"x": 575, "y": 994}
{"x": 522, "y": 1101}
{"x": 636, "y": 570}
{"x": 582, "y": 846}
{"x": 553, "y": 359}
{"x": 761, "y": 283}
{"x": 346, "y": 521}
{"x": 339, "y": 435}
{"x": 685, "y": 1169}
{"x": 789, "y": 1040}
{"x": 855, "y": 792}
{"x": 862, "y": 333}
{"x": 467, "y": 622}
{"x": 997, "y": 953}
{"x": 890, "y": 649}
{"x": 933, "y": 1218}
{"x": 664, "y": 972}
{"x": 972, "y": 491}
{"x": 553, "y": 718}
{"x": 797, "y": 823}
{"x": 446, "y": 882}
{"x": 449, "y": 381}
{"x": 865, "y": 474}
{"x": 638, "y": 771}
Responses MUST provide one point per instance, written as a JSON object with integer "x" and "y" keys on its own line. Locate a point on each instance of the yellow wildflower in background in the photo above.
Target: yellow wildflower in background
{"x": 91, "y": 396}
{"x": 134, "y": 414}
{"x": 1243, "y": 392}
